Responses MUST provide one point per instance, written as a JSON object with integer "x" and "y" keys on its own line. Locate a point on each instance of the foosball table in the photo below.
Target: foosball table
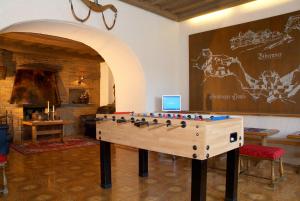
{"x": 188, "y": 135}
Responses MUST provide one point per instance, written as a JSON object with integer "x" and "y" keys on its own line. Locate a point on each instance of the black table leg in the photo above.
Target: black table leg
{"x": 232, "y": 175}
{"x": 199, "y": 180}
{"x": 105, "y": 162}
{"x": 143, "y": 163}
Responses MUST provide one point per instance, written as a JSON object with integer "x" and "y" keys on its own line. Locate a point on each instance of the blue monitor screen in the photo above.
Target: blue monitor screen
{"x": 171, "y": 103}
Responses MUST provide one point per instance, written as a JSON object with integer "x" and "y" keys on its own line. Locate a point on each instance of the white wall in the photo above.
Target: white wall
{"x": 152, "y": 39}
{"x": 240, "y": 14}
{"x": 106, "y": 85}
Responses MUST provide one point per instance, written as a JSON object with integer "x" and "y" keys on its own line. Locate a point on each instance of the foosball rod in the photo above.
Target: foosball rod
{"x": 143, "y": 122}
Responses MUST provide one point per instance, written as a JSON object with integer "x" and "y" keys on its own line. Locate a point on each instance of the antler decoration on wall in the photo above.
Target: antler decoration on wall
{"x": 95, "y": 6}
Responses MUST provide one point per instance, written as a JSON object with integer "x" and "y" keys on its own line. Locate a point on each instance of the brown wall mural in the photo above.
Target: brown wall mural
{"x": 247, "y": 68}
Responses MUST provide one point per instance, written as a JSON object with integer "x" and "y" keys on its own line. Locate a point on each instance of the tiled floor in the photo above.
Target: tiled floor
{"x": 73, "y": 175}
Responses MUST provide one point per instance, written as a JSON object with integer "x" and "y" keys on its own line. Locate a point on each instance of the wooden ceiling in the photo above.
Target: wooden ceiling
{"x": 46, "y": 44}
{"x": 180, "y": 10}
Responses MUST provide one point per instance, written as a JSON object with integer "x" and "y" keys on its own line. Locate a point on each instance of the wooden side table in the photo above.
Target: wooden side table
{"x": 260, "y": 132}
{"x": 295, "y": 136}
{"x": 35, "y": 131}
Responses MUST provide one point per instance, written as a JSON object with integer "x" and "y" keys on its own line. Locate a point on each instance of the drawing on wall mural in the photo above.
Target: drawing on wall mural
{"x": 266, "y": 38}
{"x": 269, "y": 84}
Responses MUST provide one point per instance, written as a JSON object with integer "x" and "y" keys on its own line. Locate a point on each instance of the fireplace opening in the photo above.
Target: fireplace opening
{"x": 31, "y": 112}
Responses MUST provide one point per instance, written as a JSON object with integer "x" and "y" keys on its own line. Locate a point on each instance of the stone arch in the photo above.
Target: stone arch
{"x": 124, "y": 64}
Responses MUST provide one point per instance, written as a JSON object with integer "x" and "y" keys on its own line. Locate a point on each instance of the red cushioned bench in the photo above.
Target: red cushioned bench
{"x": 264, "y": 153}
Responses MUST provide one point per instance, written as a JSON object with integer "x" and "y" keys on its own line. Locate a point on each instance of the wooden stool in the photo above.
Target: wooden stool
{"x": 264, "y": 153}
{"x": 3, "y": 162}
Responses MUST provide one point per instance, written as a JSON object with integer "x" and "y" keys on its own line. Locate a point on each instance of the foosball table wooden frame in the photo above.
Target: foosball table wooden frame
{"x": 187, "y": 136}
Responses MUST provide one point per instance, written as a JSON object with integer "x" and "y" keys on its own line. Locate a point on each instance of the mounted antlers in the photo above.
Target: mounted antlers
{"x": 97, "y": 8}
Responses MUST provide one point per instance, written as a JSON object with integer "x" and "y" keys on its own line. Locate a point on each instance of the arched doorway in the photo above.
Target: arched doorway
{"x": 127, "y": 71}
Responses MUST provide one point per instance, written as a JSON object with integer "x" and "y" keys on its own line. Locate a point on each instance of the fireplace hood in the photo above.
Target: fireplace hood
{"x": 35, "y": 84}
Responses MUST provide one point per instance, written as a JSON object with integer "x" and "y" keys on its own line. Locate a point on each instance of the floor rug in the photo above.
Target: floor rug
{"x": 48, "y": 145}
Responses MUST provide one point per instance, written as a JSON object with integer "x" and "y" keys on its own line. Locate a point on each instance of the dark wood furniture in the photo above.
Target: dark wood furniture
{"x": 88, "y": 123}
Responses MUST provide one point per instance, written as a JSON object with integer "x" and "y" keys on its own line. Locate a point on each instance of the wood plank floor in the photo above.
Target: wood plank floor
{"x": 73, "y": 175}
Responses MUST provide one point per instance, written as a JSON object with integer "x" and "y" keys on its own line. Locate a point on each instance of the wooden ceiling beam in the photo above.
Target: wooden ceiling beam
{"x": 160, "y": 2}
{"x": 178, "y": 4}
{"x": 197, "y": 11}
{"x": 18, "y": 47}
{"x": 152, "y": 8}
{"x": 46, "y": 40}
{"x": 198, "y": 5}
{"x": 59, "y": 48}
{"x": 179, "y": 10}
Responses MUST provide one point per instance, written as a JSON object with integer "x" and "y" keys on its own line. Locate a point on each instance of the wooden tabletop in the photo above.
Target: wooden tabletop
{"x": 262, "y": 132}
{"x": 43, "y": 123}
{"x": 295, "y": 135}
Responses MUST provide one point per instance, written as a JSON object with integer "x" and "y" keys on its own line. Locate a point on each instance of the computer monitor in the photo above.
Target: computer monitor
{"x": 171, "y": 103}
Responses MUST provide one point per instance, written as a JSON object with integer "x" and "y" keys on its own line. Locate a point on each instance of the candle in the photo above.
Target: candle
{"x": 48, "y": 110}
{"x": 53, "y": 112}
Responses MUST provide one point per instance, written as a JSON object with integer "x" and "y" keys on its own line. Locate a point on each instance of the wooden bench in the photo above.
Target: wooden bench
{"x": 295, "y": 136}
{"x": 264, "y": 153}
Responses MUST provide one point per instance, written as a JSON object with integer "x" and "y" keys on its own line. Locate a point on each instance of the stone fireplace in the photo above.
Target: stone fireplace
{"x": 35, "y": 84}
{"x": 67, "y": 75}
